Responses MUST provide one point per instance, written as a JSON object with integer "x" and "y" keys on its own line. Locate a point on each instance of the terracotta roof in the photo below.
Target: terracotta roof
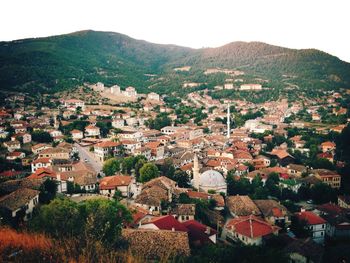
{"x": 271, "y": 208}
{"x": 198, "y": 232}
{"x": 167, "y": 222}
{"x": 111, "y": 182}
{"x": 311, "y": 218}
{"x": 107, "y": 144}
{"x": 18, "y": 198}
{"x": 152, "y": 196}
{"x": 242, "y": 205}
{"x": 184, "y": 209}
{"x": 157, "y": 244}
{"x": 42, "y": 160}
{"x": 251, "y": 226}
{"x": 328, "y": 144}
{"x": 42, "y": 173}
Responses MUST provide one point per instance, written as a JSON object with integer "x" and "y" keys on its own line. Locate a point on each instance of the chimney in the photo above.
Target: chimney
{"x": 302, "y": 210}
{"x": 173, "y": 229}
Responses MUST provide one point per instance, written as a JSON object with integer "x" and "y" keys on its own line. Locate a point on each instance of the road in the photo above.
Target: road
{"x": 84, "y": 153}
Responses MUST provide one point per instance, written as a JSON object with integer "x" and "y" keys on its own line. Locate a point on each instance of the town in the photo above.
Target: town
{"x": 192, "y": 171}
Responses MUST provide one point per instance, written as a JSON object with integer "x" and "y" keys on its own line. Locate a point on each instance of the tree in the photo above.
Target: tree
{"x": 60, "y": 218}
{"x": 322, "y": 193}
{"x": 41, "y": 136}
{"x": 94, "y": 220}
{"x": 148, "y": 172}
{"x": 48, "y": 191}
{"x": 111, "y": 166}
{"x": 181, "y": 178}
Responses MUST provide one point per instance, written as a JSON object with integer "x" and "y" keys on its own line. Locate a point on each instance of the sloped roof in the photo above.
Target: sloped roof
{"x": 198, "y": 232}
{"x": 18, "y": 198}
{"x": 242, "y": 205}
{"x": 271, "y": 208}
{"x": 167, "y": 222}
{"x": 111, "y": 182}
{"x": 311, "y": 218}
{"x": 251, "y": 226}
{"x": 157, "y": 244}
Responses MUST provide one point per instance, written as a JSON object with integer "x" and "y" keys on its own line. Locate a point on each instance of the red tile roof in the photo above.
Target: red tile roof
{"x": 41, "y": 173}
{"x": 167, "y": 223}
{"x": 251, "y": 226}
{"x": 111, "y": 182}
{"x": 197, "y": 232}
{"x": 311, "y": 218}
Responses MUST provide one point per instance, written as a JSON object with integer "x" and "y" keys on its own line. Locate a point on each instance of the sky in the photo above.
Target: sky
{"x": 320, "y": 24}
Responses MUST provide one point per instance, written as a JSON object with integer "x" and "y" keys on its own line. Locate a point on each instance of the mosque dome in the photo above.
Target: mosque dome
{"x": 212, "y": 179}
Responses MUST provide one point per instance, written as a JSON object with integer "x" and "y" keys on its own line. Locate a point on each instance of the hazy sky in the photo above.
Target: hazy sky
{"x": 291, "y": 23}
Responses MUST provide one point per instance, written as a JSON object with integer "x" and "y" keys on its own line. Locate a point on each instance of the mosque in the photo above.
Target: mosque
{"x": 208, "y": 180}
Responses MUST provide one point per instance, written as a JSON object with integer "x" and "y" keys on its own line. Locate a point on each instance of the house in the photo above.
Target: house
{"x": 154, "y": 192}
{"x": 47, "y": 174}
{"x": 344, "y": 201}
{"x": 77, "y": 135}
{"x": 241, "y": 205}
{"x": 105, "y": 149}
{"x": 249, "y": 230}
{"x": 24, "y": 137}
{"x": 41, "y": 163}
{"x": 74, "y": 104}
{"x": 37, "y": 148}
{"x": 130, "y": 146}
{"x": 167, "y": 222}
{"x": 55, "y": 153}
{"x": 282, "y": 156}
{"x": 200, "y": 234}
{"x": 291, "y": 184}
{"x": 328, "y": 146}
{"x": 153, "y": 96}
{"x": 92, "y": 131}
{"x": 20, "y": 203}
{"x": 338, "y": 223}
{"x": 79, "y": 173}
{"x": 315, "y": 224}
{"x": 157, "y": 150}
{"x": 155, "y": 245}
{"x": 296, "y": 169}
{"x": 118, "y": 123}
{"x": 110, "y": 184}
{"x": 15, "y": 155}
{"x": 219, "y": 199}
{"x": 273, "y": 212}
{"x": 328, "y": 177}
{"x": 12, "y": 145}
{"x": 184, "y": 212}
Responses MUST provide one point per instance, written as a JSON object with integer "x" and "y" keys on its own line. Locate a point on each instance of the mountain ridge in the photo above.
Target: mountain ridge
{"x": 57, "y": 62}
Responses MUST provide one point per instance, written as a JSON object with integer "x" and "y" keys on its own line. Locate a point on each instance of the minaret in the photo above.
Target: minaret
{"x": 228, "y": 122}
{"x": 196, "y": 175}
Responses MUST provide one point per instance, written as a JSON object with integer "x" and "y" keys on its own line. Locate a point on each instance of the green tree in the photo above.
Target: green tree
{"x": 148, "y": 172}
{"x": 41, "y": 136}
{"x": 111, "y": 166}
{"x": 48, "y": 191}
{"x": 322, "y": 193}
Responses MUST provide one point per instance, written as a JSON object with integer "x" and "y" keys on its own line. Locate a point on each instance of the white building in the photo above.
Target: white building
{"x": 153, "y": 96}
{"x": 92, "y": 131}
{"x": 209, "y": 180}
{"x": 316, "y": 224}
{"x": 118, "y": 123}
{"x": 250, "y": 87}
{"x": 130, "y": 92}
{"x": 115, "y": 89}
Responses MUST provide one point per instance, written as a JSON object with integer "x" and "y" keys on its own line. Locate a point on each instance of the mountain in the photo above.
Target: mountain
{"x": 58, "y": 62}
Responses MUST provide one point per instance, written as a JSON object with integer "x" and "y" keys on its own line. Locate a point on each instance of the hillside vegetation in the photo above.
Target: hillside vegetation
{"x": 59, "y": 62}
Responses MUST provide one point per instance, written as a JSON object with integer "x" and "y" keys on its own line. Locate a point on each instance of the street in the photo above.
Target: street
{"x": 84, "y": 153}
